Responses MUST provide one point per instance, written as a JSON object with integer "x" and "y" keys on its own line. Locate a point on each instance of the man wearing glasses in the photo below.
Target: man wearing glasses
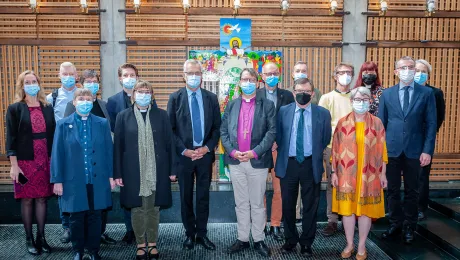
{"x": 280, "y": 97}
{"x": 408, "y": 113}
{"x": 195, "y": 121}
{"x": 303, "y": 132}
{"x": 338, "y": 104}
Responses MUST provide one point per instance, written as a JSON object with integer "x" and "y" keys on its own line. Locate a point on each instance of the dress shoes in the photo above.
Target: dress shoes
{"x": 65, "y": 237}
{"x": 408, "y": 236}
{"x": 421, "y": 216}
{"x": 330, "y": 229}
{"x": 94, "y": 256}
{"x": 298, "y": 222}
{"x": 288, "y": 248}
{"x": 106, "y": 240}
{"x": 206, "y": 243}
{"x": 42, "y": 245}
{"x": 392, "y": 232}
{"x": 262, "y": 248}
{"x": 306, "y": 251}
{"x": 189, "y": 243}
{"x": 347, "y": 254}
{"x": 361, "y": 256}
{"x": 78, "y": 256}
{"x": 30, "y": 245}
{"x": 129, "y": 237}
{"x": 276, "y": 233}
{"x": 237, "y": 247}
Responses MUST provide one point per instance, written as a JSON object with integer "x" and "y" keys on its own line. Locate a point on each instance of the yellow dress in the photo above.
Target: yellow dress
{"x": 347, "y": 208}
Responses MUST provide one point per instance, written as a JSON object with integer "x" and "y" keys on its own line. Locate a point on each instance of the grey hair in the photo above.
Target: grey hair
{"x": 82, "y": 92}
{"x": 67, "y": 65}
{"x": 344, "y": 64}
{"x": 403, "y": 58}
{"x": 426, "y": 63}
{"x": 361, "y": 90}
{"x": 193, "y": 62}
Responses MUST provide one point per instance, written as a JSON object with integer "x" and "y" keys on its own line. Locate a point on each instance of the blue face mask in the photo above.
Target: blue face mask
{"x": 84, "y": 107}
{"x": 420, "y": 78}
{"x": 142, "y": 99}
{"x": 194, "y": 81}
{"x": 300, "y": 76}
{"x": 129, "y": 83}
{"x": 31, "y": 90}
{"x": 360, "y": 107}
{"x": 272, "y": 81}
{"x": 94, "y": 87}
{"x": 248, "y": 88}
{"x": 68, "y": 81}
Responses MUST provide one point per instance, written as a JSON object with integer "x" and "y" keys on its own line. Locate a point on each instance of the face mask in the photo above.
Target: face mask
{"x": 300, "y": 76}
{"x": 421, "y": 77}
{"x": 31, "y": 90}
{"x": 248, "y": 88}
{"x": 369, "y": 79}
{"x": 68, "y": 81}
{"x": 129, "y": 83}
{"x": 360, "y": 107}
{"x": 194, "y": 81}
{"x": 84, "y": 107}
{"x": 143, "y": 100}
{"x": 302, "y": 98}
{"x": 272, "y": 81}
{"x": 406, "y": 76}
{"x": 344, "y": 80}
{"x": 94, "y": 87}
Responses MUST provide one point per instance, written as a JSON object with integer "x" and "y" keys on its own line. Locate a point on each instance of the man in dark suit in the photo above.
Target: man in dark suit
{"x": 248, "y": 133}
{"x": 195, "y": 121}
{"x": 422, "y": 75}
{"x": 303, "y": 132}
{"x": 280, "y": 97}
{"x": 404, "y": 109}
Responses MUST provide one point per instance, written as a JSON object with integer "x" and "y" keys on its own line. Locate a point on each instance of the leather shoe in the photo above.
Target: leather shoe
{"x": 288, "y": 248}
{"x": 30, "y": 245}
{"x": 306, "y": 251}
{"x": 105, "y": 239}
{"x": 206, "y": 243}
{"x": 237, "y": 247}
{"x": 129, "y": 237}
{"x": 78, "y": 256}
{"x": 189, "y": 243}
{"x": 276, "y": 233}
{"x": 408, "y": 236}
{"x": 330, "y": 229}
{"x": 298, "y": 222}
{"x": 421, "y": 216}
{"x": 65, "y": 237}
{"x": 95, "y": 256}
{"x": 392, "y": 232}
{"x": 262, "y": 248}
{"x": 42, "y": 245}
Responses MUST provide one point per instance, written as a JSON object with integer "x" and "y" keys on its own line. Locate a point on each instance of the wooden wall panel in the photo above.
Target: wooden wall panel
{"x": 312, "y": 28}
{"x": 81, "y": 27}
{"x": 48, "y": 3}
{"x": 413, "y": 29}
{"x": 419, "y": 5}
{"x": 162, "y": 66}
{"x": 311, "y": 4}
{"x": 14, "y": 60}
{"x": 155, "y": 27}
{"x": 18, "y": 26}
{"x": 445, "y": 75}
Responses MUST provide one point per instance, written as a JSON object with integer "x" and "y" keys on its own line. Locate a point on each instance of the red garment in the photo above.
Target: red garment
{"x": 37, "y": 170}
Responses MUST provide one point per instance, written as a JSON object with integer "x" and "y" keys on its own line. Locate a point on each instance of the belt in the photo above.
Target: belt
{"x": 295, "y": 158}
{"x": 36, "y": 136}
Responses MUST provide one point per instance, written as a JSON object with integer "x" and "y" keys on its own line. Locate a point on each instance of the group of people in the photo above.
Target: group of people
{"x": 79, "y": 147}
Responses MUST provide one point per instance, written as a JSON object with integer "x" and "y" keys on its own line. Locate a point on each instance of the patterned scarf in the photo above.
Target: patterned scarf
{"x": 345, "y": 156}
{"x": 147, "y": 161}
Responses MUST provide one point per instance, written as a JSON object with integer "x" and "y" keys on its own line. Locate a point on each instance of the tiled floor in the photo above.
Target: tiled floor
{"x": 170, "y": 245}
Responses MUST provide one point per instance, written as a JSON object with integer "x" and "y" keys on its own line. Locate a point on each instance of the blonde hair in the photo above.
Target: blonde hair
{"x": 344, "y": 64}
{"x": 21, "y": 94}
{"x": 142, "y": 84}
{"x": 67, "y": 65}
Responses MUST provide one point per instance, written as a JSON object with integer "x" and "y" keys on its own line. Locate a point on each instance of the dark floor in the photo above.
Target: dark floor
{"x": 171, "y": 236}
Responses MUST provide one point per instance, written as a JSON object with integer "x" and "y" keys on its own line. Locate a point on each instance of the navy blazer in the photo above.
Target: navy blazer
{"x": 321, "y": 137}
{"x": 406, "y": 134}
{"x": 68, "y": 165}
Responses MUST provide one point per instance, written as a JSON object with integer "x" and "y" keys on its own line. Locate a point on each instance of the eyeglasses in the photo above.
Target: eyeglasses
{"x": 198, "y": 73}
{"x": 303, "y": 91}
{"x": 90, "y": 81}
{"x": 144, "y": 92}
{"x": 406, "y": 67}
{"x": 268, "y": 74}
{"x": 252, "y": 80}
{"x": 343, "y": 72}
{"x": 359, "y": 100}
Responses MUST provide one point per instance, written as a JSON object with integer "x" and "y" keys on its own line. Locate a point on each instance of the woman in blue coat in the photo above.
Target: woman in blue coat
{"x": 81, "y": 170}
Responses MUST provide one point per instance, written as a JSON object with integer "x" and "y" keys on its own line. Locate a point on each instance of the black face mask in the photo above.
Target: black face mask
{"x": 302, "y": 98}
{"x": 369, "y": 79}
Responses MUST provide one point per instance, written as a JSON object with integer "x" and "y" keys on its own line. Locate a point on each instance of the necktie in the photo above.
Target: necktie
{"x": 197, "y": 135}
{"x": 406, "y": 100}
{"x": 299, "y": 139}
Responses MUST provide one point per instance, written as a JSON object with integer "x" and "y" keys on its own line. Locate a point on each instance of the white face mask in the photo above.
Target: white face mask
{"x": 360, "y": 107}
{"x": 406, "y": 76}
{"x": 344, "y": 80}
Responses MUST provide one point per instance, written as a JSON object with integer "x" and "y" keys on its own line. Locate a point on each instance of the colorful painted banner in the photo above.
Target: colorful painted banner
{"x": 235, "y": 36}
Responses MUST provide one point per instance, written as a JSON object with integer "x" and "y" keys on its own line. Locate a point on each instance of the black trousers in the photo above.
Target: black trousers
{"x": 300, "y": 173}
{"x": 104, "y": 217}
{"x": 201, "y": 170}
{"x": 85, "y": 227}
{"x": 406, "y": 214}
{"x": 424, "y": 188}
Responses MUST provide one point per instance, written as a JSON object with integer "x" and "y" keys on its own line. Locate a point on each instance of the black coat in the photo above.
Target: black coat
{"x": 19, "y": 140}
{"x": 440, "y": 106}
{"x": 284, "y": 97}
{"x": 126, "y": 157}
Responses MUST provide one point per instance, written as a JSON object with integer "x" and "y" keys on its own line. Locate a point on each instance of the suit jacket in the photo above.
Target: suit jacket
{"x": 70, "y": 108}
{"x": 405, "y": 133}
{"x": 19, "y": 139}
{"x": 321, "y": 136}
{"x": 262, "y": 135}
{"x": 181, "y": 122}
{"x": 440, "y": 106}
{"x": 68, "y": 165}
{"x": 284, "y": 97}
{"x": 126, "y": 157}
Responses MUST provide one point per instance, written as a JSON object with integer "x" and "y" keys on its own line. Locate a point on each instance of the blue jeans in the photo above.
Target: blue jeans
{"x": 64, "y": 216}
{"x": 127, "y": 217}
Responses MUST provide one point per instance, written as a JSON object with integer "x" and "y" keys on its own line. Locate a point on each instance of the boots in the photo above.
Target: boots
{"x": 42, "y": 245}
{"x": 30, "y": 245}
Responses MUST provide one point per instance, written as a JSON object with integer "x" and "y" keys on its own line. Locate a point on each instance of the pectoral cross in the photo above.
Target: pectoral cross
{"x": 245, "y": 132}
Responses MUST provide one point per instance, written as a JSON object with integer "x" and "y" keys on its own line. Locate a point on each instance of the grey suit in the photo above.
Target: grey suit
{"x": 70, "y": 108}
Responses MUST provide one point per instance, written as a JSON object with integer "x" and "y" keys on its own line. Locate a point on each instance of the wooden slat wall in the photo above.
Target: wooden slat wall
{"x": 48, "y": 3}
{"x": 81, "y": 27}
{"x": 155, "y": 27}
{"x": 18, "y": 26}
{"x": 419, "y": 5}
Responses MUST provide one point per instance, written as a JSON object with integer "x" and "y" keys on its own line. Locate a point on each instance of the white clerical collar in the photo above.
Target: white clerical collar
{"x": 143, "y": 110}
{"x": 84, "y": 118}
